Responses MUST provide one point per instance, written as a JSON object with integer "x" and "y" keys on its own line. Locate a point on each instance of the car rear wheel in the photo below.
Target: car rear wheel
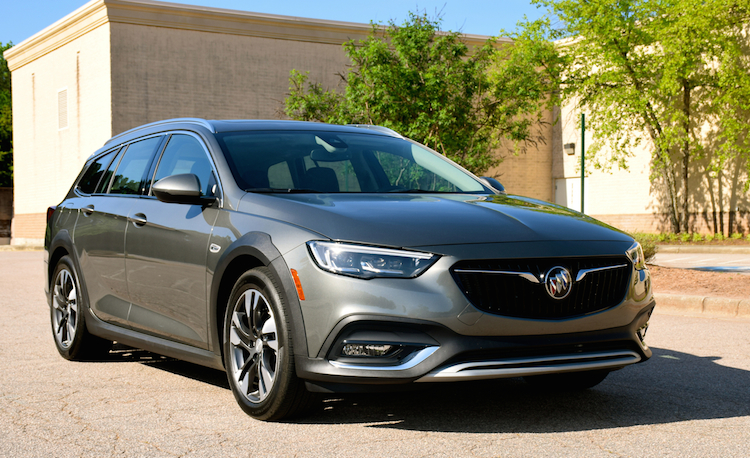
{"x": 67, "y": 317}
{"x": 570, "y": 381}
{"x": 258, "y": 353}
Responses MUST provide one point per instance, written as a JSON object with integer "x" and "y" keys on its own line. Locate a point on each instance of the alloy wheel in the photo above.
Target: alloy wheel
{"x": 65, "y": 312}
{"x": 254, "y": 346}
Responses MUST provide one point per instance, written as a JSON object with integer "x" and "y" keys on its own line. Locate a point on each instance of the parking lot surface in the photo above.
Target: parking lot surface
{"x": 692, "y": 399}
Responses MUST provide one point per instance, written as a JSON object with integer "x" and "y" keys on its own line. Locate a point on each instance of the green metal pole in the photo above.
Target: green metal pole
{"x": 583, "y": 154}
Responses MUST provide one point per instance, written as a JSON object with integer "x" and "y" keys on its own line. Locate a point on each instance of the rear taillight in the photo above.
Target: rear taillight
{"x": 50, "y": 212}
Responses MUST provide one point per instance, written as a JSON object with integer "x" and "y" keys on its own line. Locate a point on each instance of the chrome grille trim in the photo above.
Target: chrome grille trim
{"x": 582, "y": 273}
{"x": 525, "y": 275}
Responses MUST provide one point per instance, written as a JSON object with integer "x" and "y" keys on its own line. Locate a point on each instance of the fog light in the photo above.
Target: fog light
{"x": 373, "y": 350}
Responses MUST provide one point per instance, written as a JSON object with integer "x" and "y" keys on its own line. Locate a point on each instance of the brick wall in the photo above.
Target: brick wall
{"x": 160, "y": 73}
{"x": 528, "y": 173}
{"x": 48, "y": 156}
{"x": 28, "y": 228}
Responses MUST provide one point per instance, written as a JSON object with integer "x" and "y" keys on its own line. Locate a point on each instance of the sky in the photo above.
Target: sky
{"x": 21, "y": 19}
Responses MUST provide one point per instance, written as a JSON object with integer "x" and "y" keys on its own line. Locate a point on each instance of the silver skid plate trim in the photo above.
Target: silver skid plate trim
{"x": 518, "y": 367}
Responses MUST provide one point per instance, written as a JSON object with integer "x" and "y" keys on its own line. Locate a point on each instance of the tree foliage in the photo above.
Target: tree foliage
{"x": 672, "y": 74}
{"x": 429, "y": 86}
{"x": 6, "y": 122}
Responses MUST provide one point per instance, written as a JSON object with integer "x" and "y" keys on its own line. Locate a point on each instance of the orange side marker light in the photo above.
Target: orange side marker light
{"x": 297, "y": 284}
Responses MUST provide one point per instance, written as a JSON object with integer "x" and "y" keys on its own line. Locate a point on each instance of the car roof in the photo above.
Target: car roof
{"x": 238, "y": 125}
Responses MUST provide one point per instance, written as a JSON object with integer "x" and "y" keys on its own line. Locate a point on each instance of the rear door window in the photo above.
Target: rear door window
{"x": 131, "y": 172}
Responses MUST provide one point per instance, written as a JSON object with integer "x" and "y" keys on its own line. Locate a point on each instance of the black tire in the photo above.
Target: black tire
{"x": 570, "y": 381}
{"x": 258, "y": 351}
{"x": 68, "y": 317}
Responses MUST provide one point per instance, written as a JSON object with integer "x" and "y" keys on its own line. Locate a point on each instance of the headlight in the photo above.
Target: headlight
{"x": 369, "y": 262}
{"x": 635, "y": 253}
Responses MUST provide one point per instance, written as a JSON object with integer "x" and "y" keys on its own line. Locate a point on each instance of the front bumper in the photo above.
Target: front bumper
{"x": 437, "y": 354}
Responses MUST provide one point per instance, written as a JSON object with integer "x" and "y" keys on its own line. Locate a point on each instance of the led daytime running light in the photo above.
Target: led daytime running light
{"x": 369, "y": 262}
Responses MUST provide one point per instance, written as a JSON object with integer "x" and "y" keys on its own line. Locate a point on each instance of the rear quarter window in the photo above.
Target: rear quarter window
{"x": 94, "y": 173}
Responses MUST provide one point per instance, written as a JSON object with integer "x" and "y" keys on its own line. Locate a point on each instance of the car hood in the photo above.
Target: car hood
{"x": 414, "y": 220}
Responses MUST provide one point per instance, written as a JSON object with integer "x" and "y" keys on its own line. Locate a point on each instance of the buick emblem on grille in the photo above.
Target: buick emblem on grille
{"x": 558, "y": 282}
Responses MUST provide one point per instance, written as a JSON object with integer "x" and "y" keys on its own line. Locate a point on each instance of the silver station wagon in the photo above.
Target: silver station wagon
{"x": 305, "y": 257}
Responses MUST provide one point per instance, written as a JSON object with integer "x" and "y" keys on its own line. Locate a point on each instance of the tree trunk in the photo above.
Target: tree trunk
{"x": 713, "y": 200}
{"x": 671, "y": 185}
{"x": 721, "y": 202}
{"x": 685, "y": 154}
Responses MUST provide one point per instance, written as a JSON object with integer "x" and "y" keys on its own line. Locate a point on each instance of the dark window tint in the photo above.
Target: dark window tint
{"x": 133, "y": 165}
{"x": 107, "y": 177}
{"x": 94, "y": 173}
{"x": 339, "y": 162}
{"x": 185, "y": 154}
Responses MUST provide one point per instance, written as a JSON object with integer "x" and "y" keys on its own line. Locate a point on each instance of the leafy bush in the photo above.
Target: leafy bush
{"x": 697, "y": 237}
{"x": 736, "y": 236}
{"x": 710, "y": 237}
{"x": 684, "y": 237}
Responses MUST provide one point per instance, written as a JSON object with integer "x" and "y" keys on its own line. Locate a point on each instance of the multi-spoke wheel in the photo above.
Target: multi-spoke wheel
{"x": 72, "y": 339}
{"x": 254, "y": 347}
{"x": 64, "y": 308}
{"x": 258, "y": 353}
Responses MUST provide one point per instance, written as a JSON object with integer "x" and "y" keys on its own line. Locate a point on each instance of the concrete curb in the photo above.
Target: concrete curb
{"x": 704, "y": 306}
{"x": 21, "y": 248}
{"x": 703, "y": 249}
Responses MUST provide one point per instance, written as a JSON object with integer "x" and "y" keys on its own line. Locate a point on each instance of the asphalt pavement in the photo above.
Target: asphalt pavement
{"x": 690, "y": 400}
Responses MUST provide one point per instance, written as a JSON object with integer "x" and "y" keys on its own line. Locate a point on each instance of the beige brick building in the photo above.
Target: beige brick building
{"x": 115, "y": 64}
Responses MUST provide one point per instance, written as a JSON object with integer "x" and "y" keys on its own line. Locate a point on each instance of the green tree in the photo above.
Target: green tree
{"x": 6, "y": 122}
{"x": 672, "y": 73}
{"x": 429, "y": 86}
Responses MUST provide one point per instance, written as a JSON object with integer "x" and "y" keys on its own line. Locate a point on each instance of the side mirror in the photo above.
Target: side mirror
{"x": 493, "y": 183}
{"x": 181, "y": 189}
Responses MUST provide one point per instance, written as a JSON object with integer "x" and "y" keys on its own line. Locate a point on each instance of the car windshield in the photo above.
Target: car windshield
{"x": 332, "y": 162}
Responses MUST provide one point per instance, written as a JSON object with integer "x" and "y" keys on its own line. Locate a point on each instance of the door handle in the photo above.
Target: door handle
{"x": 87, "y": 210}
{"x": 139, "y": 219}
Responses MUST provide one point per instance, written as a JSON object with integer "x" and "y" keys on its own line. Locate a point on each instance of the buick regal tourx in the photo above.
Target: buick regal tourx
{"x": 305, "y": 257}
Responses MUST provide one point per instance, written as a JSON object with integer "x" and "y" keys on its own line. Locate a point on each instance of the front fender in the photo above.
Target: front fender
{"x": 257, "y": 245}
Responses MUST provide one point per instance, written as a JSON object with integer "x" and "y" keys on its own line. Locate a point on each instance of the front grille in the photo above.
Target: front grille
{"x": 514, "y": 295}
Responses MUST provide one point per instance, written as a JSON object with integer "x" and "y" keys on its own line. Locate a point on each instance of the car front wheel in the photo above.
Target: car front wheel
{"x": 258, "y": 354}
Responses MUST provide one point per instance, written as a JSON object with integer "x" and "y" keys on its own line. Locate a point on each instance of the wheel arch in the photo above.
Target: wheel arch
{"x": 254, "y": 249}
{"x": 61, "y": 246}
